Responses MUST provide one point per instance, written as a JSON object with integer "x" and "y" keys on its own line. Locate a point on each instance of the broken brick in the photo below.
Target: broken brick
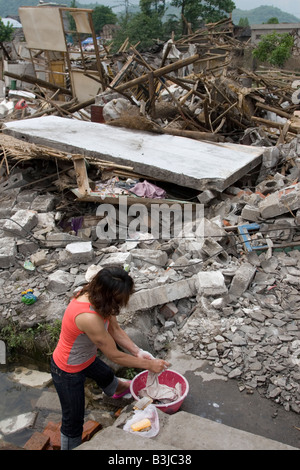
{"x": 52, "y": 430}
{"x": 169, "y": 310}
{"x": 38, "y": 441}
{"x": 89, "y": 429}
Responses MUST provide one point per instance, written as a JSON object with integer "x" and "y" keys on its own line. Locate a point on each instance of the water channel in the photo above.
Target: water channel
{"x": 16, "y": 399}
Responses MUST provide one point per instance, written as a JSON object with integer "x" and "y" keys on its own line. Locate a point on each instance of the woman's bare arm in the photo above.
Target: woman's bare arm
{"x": 93, "y": 326}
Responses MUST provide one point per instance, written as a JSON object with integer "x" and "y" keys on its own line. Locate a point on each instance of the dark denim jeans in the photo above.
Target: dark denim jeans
{"x": 70, "y": 389}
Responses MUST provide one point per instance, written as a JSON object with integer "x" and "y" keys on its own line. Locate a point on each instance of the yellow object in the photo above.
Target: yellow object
{"x": 141, "y": 425}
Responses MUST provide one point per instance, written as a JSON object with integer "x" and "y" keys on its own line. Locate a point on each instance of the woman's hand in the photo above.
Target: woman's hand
{"x": 157, "y": 365}
{"x": 144, "y": 354}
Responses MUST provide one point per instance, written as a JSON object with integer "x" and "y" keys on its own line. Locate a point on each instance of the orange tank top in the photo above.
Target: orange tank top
{"x": 75, "y": 351}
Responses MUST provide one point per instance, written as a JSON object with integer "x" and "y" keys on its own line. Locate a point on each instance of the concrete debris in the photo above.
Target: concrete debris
{"x": 230, "y": 297}
{"x": 30, "y": 378}
{"x": 17, "y": 423}
{"x": 20, "y": 224}
{"x": 228, "y": 293}
{"x": 209, "y": 89}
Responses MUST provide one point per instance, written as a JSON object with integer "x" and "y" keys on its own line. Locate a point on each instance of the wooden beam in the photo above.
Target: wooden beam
{"x": 37, "y": 81}
{"x": 81, "y": 175}
{"x": 159, "y": 72}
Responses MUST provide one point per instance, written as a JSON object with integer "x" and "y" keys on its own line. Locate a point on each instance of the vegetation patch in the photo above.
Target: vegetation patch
{"x": 36, "y": 342}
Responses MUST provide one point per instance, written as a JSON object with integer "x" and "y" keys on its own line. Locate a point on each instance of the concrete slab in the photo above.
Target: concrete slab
{"x": 182, "y": 431}
{"x": 179, "y": 160}
{"x": 30, "y": 378}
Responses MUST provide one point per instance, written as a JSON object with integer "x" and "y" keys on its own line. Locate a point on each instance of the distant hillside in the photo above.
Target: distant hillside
{"x": 255, "y": 16}
{"x": 263, "y": 14}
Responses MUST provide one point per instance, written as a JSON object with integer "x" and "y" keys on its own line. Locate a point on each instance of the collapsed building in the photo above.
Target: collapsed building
{"x": 189, "y": 126}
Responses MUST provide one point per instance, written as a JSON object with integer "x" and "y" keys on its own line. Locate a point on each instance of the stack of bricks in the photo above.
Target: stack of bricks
{"x": 49, "y": 439}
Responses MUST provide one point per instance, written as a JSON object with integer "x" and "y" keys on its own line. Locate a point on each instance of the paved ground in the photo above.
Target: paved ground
{"x": 216, "y": 399}
{"x": 214, "y": 416}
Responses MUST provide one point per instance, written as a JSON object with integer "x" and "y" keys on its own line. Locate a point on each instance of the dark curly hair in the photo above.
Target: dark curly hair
{"x": 109, "y": 290}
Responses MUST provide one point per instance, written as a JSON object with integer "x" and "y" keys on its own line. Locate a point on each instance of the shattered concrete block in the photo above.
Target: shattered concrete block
{"x": 60, "y": 239}
{"x": 157, "y": 257}
{"x": 80, "y": 252}
{"x": 270, "y": 157}
{"x": 271, "y": 185}
{"x": 60, "y": 281}
{"x": 6, "y": 208}
{"x": 116, "y": 259}
{"x": 148, "y": 298}
{"x": 242, "y": 279}
{"x": 193, "y": 247}
{"x": 211, "y": 228}
{"x": 21, "y": 223}
{"x": 250, "y": 213}
{"x": 8, "y": 252}
{"x": 280, "y": 202}
{"x": 212, "y": 248}
{"x": 39, "y": 258}
{"x": 23, "y": 205}
{"x": 206, "y": 196}
{"x": 26, "y": 195}
{"x": 160, "y": 342}
{"x": 91, "y": 272}
{"x": 46, "y": 219}
{"x": 15, "y": 180}
{"x": 26, "y": 247}
{"x": 43, "y": 203}
{"x": 210, "y": 283}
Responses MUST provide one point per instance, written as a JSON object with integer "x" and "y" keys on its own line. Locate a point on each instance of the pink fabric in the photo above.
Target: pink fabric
{"x": 146, "y": 189}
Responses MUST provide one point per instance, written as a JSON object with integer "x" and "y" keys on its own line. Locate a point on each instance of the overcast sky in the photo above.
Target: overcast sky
{"x": 289, "y": 6}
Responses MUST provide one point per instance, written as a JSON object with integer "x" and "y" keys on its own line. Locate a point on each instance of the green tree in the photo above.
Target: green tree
{"x": 275, "y": 48}
{"x": 149, "y": 6}
{"x": 139, "y": 28}
{"x": 273, "y": 20}
{"x": 244, "y": 22}
{"x": 172, "y": 25}
{"x": 6, "y": 33}
{"x": 101, "y": 16}
{"x": 204, "y": 11}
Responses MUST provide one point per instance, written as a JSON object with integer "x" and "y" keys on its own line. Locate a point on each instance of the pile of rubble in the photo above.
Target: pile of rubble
{"x": 200, "y": 86}
{"x": 230, "y": 296}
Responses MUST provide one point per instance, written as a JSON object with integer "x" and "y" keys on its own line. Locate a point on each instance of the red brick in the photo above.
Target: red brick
{"x": 52, "y": 430}
{"x": 38, "y": 441}
{"x": 169, "y": 310}
{"x": 89, "y": 429}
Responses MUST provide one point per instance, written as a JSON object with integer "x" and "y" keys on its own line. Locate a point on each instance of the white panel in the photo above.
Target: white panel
{"x": 43, "y": 28}
{"x": 85, "y": 88}
{"x": 82, "y": 22}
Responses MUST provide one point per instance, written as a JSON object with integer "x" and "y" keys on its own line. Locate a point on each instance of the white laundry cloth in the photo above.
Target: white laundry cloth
{"x": 160, "y": 392}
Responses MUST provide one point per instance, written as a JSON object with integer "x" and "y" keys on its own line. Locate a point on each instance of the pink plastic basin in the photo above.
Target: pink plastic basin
{"x": 168, "y": 377}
